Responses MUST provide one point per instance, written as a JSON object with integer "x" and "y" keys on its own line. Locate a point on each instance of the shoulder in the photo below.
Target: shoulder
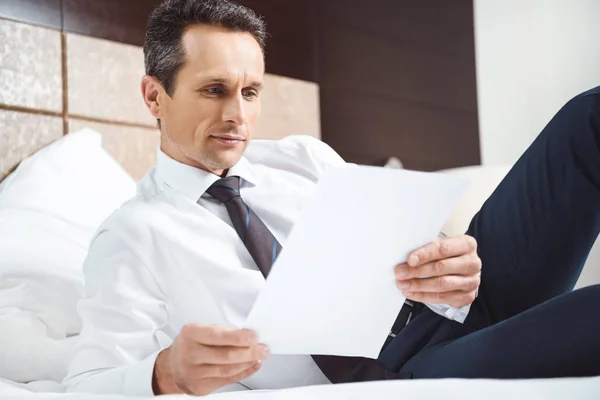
{"x": 301, "y": 153}
{"x": 132, "y": 222}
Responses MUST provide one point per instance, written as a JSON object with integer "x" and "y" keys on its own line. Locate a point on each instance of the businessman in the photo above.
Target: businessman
{"x": 173, "y": 271}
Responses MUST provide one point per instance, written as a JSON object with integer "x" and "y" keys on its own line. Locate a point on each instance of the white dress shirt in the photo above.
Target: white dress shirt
{"x": 170, "y": 256}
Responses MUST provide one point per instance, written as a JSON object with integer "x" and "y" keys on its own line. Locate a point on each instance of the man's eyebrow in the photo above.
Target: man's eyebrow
{"x": 217, "y": 80}
{"x": 224, "y": 81}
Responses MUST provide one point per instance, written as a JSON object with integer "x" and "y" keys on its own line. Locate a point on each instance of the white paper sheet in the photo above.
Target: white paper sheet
{"x": 332, "y": 289}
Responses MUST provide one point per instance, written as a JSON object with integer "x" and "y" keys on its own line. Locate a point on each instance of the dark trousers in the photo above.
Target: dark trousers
{"x": 534, "y": 235}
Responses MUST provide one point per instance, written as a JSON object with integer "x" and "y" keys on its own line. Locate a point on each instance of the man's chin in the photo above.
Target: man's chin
{"x": 224, "y": 158}
{"x": 226, "y": 161}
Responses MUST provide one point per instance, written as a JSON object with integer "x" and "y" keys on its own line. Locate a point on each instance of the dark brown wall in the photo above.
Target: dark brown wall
{"x": 39, "y": 12}
{"x": 397, "y": 77}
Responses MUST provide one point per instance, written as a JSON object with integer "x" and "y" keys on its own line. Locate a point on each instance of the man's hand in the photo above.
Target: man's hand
{"x": 446, "y": 271}
{"x": 204, "y": 358}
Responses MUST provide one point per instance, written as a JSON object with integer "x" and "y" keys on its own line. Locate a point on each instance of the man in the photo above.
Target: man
{"x": 173, "y": 271}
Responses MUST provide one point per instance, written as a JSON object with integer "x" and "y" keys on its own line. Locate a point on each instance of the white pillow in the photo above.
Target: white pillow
{"x": 483, "y": 180}
{"x": 50, "y": 207}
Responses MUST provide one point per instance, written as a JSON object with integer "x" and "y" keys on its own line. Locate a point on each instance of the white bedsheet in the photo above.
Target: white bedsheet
{"x": 446, "y": 389}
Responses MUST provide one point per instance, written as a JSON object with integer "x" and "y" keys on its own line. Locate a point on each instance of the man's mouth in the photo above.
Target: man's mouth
{"x": 229, "y": 138}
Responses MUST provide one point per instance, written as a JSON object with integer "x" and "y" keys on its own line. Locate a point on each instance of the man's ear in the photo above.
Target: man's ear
{"x": 151, "y": 89}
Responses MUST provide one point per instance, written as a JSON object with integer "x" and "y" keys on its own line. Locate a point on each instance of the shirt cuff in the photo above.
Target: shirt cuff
{"x": 452, "y": 313}
{"x": 128, "y": 380}
{"x": 138, "y": 380}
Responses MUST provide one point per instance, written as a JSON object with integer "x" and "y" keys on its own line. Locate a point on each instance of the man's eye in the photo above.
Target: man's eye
{"x": 250, "y": 94}
{"x": 215, "y": 90}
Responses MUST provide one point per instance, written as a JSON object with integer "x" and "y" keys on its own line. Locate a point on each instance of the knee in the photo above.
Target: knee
{"x": 576, "y": 128}
{"x": 582, "y": 111}
{"x": 594, "y": 289}
{"x": 589, "y": 295}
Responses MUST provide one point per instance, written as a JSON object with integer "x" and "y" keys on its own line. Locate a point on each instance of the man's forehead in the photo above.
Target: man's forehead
{"x": 216, "y": 53}
{"x": 205, "y": 42}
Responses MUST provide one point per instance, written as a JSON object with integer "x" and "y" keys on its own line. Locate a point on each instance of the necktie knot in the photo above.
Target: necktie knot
{"x": 225, "y": 189}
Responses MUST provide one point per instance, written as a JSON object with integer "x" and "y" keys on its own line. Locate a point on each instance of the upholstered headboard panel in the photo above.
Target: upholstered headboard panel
{"x": 53, "y": 83}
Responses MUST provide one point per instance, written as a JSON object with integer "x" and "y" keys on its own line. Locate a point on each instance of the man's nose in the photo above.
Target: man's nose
{"x": 234, "y": 110}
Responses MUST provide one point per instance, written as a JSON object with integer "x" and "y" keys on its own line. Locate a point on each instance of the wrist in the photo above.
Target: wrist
{"x": 162, "y": 379}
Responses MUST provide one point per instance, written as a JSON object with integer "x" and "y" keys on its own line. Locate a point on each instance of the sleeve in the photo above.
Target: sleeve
{"x": 122, "y": 311}
{"x": 452, "y": 313}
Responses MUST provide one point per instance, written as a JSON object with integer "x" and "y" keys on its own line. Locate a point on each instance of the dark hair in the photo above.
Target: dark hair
{"x": 163, "y": 52}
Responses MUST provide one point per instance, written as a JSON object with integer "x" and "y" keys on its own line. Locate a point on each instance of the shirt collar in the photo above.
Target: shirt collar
{"x": 193, "y": 182}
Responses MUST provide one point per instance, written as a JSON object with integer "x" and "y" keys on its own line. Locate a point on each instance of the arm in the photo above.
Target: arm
{"x": 118, "y": 351}
{"x": 122, "y": 311}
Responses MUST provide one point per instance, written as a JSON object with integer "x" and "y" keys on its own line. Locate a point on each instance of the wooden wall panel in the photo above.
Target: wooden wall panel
{"x": 37, "y": 12}
{"x": 291, "y": 49}
{"x": 379, "y": 65}
{"x": 119, "y": 20}
{"x": 397, "y": 78}
{"x": 440, "y": 25}
{"x": 369, "y": 128}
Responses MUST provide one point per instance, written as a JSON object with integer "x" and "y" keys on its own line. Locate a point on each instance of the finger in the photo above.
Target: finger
{"x": 246, "y": 373}
{"x": 206, "y": 386}
{"x": 220, "y": 382}
{"x": 221, "y": 370}
{"x": 441, "y": 249}
{"x": 440, "y": 284}
{"x": 468, "y": 264}
{"x": 215, "y": 335}
{"x": 455, "y": 299}
{"x": 231, "y": 354}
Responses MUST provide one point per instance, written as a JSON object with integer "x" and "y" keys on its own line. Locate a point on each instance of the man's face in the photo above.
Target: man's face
{"x": 208, "y": 120}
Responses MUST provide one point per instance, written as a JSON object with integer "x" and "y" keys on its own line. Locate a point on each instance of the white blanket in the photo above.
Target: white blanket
{"x": 37, "y": 317}
{"x": 446, "y": 389}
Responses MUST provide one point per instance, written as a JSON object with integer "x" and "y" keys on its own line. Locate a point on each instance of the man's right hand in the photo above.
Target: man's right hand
{"x": 204, "y": 358}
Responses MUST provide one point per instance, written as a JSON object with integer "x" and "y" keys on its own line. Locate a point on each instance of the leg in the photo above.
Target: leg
{"x": 534, "y": 232}
{"x": 558, "y": 338}
{"x": 537, "y": 228}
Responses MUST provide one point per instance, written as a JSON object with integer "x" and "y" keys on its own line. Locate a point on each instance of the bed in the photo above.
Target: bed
{"x": 74, "y": 139}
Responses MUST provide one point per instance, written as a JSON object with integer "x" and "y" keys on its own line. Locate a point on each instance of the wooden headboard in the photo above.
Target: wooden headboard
{"x": 53, "y": 83}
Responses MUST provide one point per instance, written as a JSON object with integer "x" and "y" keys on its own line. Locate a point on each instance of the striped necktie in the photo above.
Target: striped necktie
{"x": 258, "y": 239}
{"x": 264, "y": 248}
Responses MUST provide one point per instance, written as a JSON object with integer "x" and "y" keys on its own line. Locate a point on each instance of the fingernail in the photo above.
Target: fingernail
{"x": 264, "y": 352}
{"x": 403, "y": 285}
{"x": 413, "y": 260}
{"x": 402, "y": 272}
{"x": 408, "y": 294}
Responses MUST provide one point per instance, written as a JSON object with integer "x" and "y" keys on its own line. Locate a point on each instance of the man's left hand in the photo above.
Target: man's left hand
{"x": 446, "y": 271}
